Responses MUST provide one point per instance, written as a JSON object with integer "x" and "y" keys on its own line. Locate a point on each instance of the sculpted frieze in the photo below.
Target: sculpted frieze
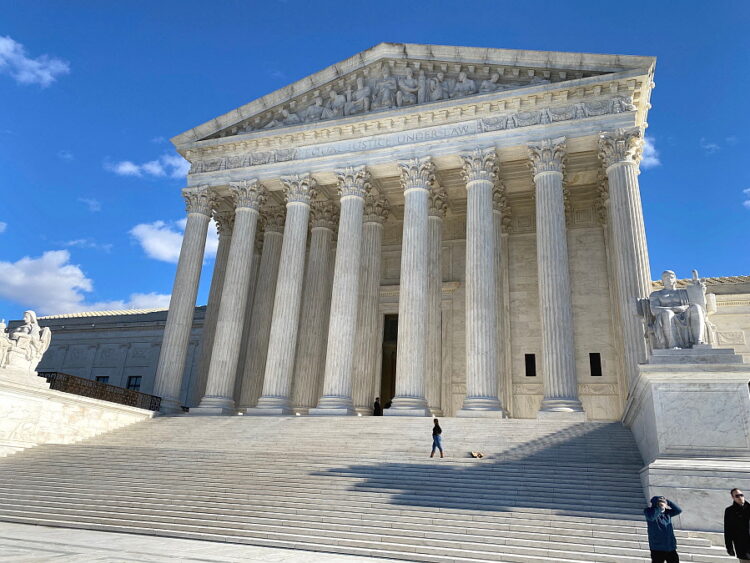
{"x": 617, "y": 104}
{"x": 378, "y": 90}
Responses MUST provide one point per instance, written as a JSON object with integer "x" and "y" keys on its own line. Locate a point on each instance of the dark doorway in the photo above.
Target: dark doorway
{"x": 388, "y": 377}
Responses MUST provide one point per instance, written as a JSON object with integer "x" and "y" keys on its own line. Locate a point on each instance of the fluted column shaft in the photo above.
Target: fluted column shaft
{"x": 620, "y": 153}
{"x": 417, "y": 177}
{"x": 434, "y": 357}
{"x": 277, "y": 381}
{"x": 225, "y": 224}
{"x": 480, "y": 173}
{"x": 219, "y": 395}
{"x": 316, "y": 303}
{"x": 555, "y": 302}
{"x": 342, "y": 328}
{"x": 366, "y": 346}
{"x": 248, "y": 315}
{"x": 262, "y": 312}
{"x": 179, "y": 323}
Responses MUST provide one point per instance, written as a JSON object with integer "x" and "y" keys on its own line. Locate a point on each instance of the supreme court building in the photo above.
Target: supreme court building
{"x": 456, "y": 230}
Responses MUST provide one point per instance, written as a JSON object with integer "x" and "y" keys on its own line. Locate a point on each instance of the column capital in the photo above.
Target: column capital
{"x": 480, "y": 164}
{"x": 299, "y": 188}
{"x": 323, "y": 214}
{"x": 224, "y": 221}
{"x": 198, "y": 200}
{"x": 438, "y": 201}
{"x": 273, "y": 217}
{"x": 547, "y": 155}
{"x": 417, "y": 173}
{"x": 248, "y": 193}
{"x": 621, "y": 146}
{"x": 377, "y": 209}
{"x": 353, "y": 181}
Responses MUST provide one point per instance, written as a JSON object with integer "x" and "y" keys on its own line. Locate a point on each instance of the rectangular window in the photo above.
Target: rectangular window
{"x": 530, "y": 360}
{"x": 595, "y": 363}
{"x": 134, "y": 382}
{"x": 102, "y": 379}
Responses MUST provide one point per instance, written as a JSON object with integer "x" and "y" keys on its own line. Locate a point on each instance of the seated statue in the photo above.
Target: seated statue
{"x": 24, "y": 347}
{"x": 676, "y": 318}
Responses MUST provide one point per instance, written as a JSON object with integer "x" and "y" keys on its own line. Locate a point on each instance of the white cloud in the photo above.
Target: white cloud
{"x": 3, "y": 226}
{"x": 161, "y": 240}
{"x": 732, "y": 140}
{"x": 51, "y": 285}
{"x": 158, "y": 140}
{"x": 42, "y": 70}
{"x": 708, "y": 146}
{"x": 87, "y": 243}
{"x": 65, "y": 155}
{"x": 173, "y": 166}
{"x": 746, "y": 203}
{"x": 650, "y": 157}
{"x": 94, "y": 205}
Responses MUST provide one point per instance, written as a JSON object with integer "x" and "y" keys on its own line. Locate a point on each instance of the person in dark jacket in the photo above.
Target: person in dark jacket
{"x": 377, "y": 410}
{"x": 661, "y": 538}
{"x": 737, "y": 527}
{"x": 437, "y": 439}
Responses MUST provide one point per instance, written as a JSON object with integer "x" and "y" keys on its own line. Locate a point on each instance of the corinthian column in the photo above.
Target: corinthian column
{"x": 620, "y": 153}
{"x": 417, "y": 177}
{"x": 248, "y": 196}
{"x": 277, "y": 381}
{"x": 555, "y": 306}
{"x": 501, "y": 224}
{"x": 376, "y": 212}
{"x": 316, "y": 304}
{"x": 182, "y": 303}
{"x": 262, "y": 311}
{"x": 337, "y": 381}
{"x": 224, "y": 223}
{"x": 438, "y": 207}
{"x": 480, "y": 173}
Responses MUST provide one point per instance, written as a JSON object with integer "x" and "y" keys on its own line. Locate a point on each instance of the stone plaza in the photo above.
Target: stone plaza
{"x": 459, "y": 232}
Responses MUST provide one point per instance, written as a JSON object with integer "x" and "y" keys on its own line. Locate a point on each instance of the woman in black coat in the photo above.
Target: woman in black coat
{"x": 737, "y": 527}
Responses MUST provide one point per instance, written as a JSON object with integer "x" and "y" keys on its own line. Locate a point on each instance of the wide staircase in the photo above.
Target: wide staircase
{"x": 565, "y": 492}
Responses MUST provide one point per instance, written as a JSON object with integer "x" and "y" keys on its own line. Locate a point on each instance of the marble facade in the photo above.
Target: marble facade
{"x": 497, "y": 169}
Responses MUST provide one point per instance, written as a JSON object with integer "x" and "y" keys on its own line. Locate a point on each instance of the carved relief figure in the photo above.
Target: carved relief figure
{"x": 335, "y": 106}
{"x": 463, "y": 87}
{"x": 359, "y": 100}
{"x": 408, "y": 89}
{"x": 490, "y": 85}
{"x": 385, "y": 91}
{"x": 313, "y": 112}
{"x": 24, "y": 347}
{"x": 676, "y": 318}
{"x": 437, "y": 88}
{"x": 283, "y": 118}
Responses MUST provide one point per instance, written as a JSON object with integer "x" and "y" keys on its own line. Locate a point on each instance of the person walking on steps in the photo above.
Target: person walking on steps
{"x": 437, "y": 439}
{"x": 661, "y": 538}
{"x": 737, "y": 527}
{"x": 377, "y": 409}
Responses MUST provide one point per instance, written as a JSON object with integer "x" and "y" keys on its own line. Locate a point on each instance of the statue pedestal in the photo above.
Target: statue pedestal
{"x": 691, "y": 420}
{"x": 23, "y": 377}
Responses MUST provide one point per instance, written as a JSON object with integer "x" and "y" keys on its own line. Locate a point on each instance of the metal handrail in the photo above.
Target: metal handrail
{"x": 97, "y": 390}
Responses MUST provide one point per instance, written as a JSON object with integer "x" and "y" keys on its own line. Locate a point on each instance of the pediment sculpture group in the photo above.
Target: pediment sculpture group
{"x": 22, "y": 348}
{"x": 389, "y": 91}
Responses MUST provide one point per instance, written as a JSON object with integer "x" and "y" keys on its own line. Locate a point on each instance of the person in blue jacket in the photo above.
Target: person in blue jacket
{"x": 661, "y": 538}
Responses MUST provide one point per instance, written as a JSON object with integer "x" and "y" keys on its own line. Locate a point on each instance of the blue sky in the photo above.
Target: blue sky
{"x": 91, "y": 91}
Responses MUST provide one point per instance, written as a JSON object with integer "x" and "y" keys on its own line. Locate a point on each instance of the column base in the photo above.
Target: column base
{"x": 214, "y": 406}
{"x": 561, "y": 405}
{"x": 408, "y": 406}
{"x": 482, "y": 407}
{"x": 169, "y": 406}
{"x": 561, "y": 416}
{"x": 334, "y": 405}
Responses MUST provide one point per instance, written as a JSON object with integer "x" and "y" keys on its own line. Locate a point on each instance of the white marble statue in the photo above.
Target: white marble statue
{"x": 676, "y": 318}
{"x": 490, "y": 85}
{"x": 438, "y": 89}
{"x": 313, "y": 112}
{"x": 335, "y": 105}
{"x": 23, "y": 348}
{"x": 408, "y": 90}
{"x": 464, "y": 86}
{"x": 385, "y": 91}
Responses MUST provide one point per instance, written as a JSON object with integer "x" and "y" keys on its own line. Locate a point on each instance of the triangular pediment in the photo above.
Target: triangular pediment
{"x": 393, "y": 76}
